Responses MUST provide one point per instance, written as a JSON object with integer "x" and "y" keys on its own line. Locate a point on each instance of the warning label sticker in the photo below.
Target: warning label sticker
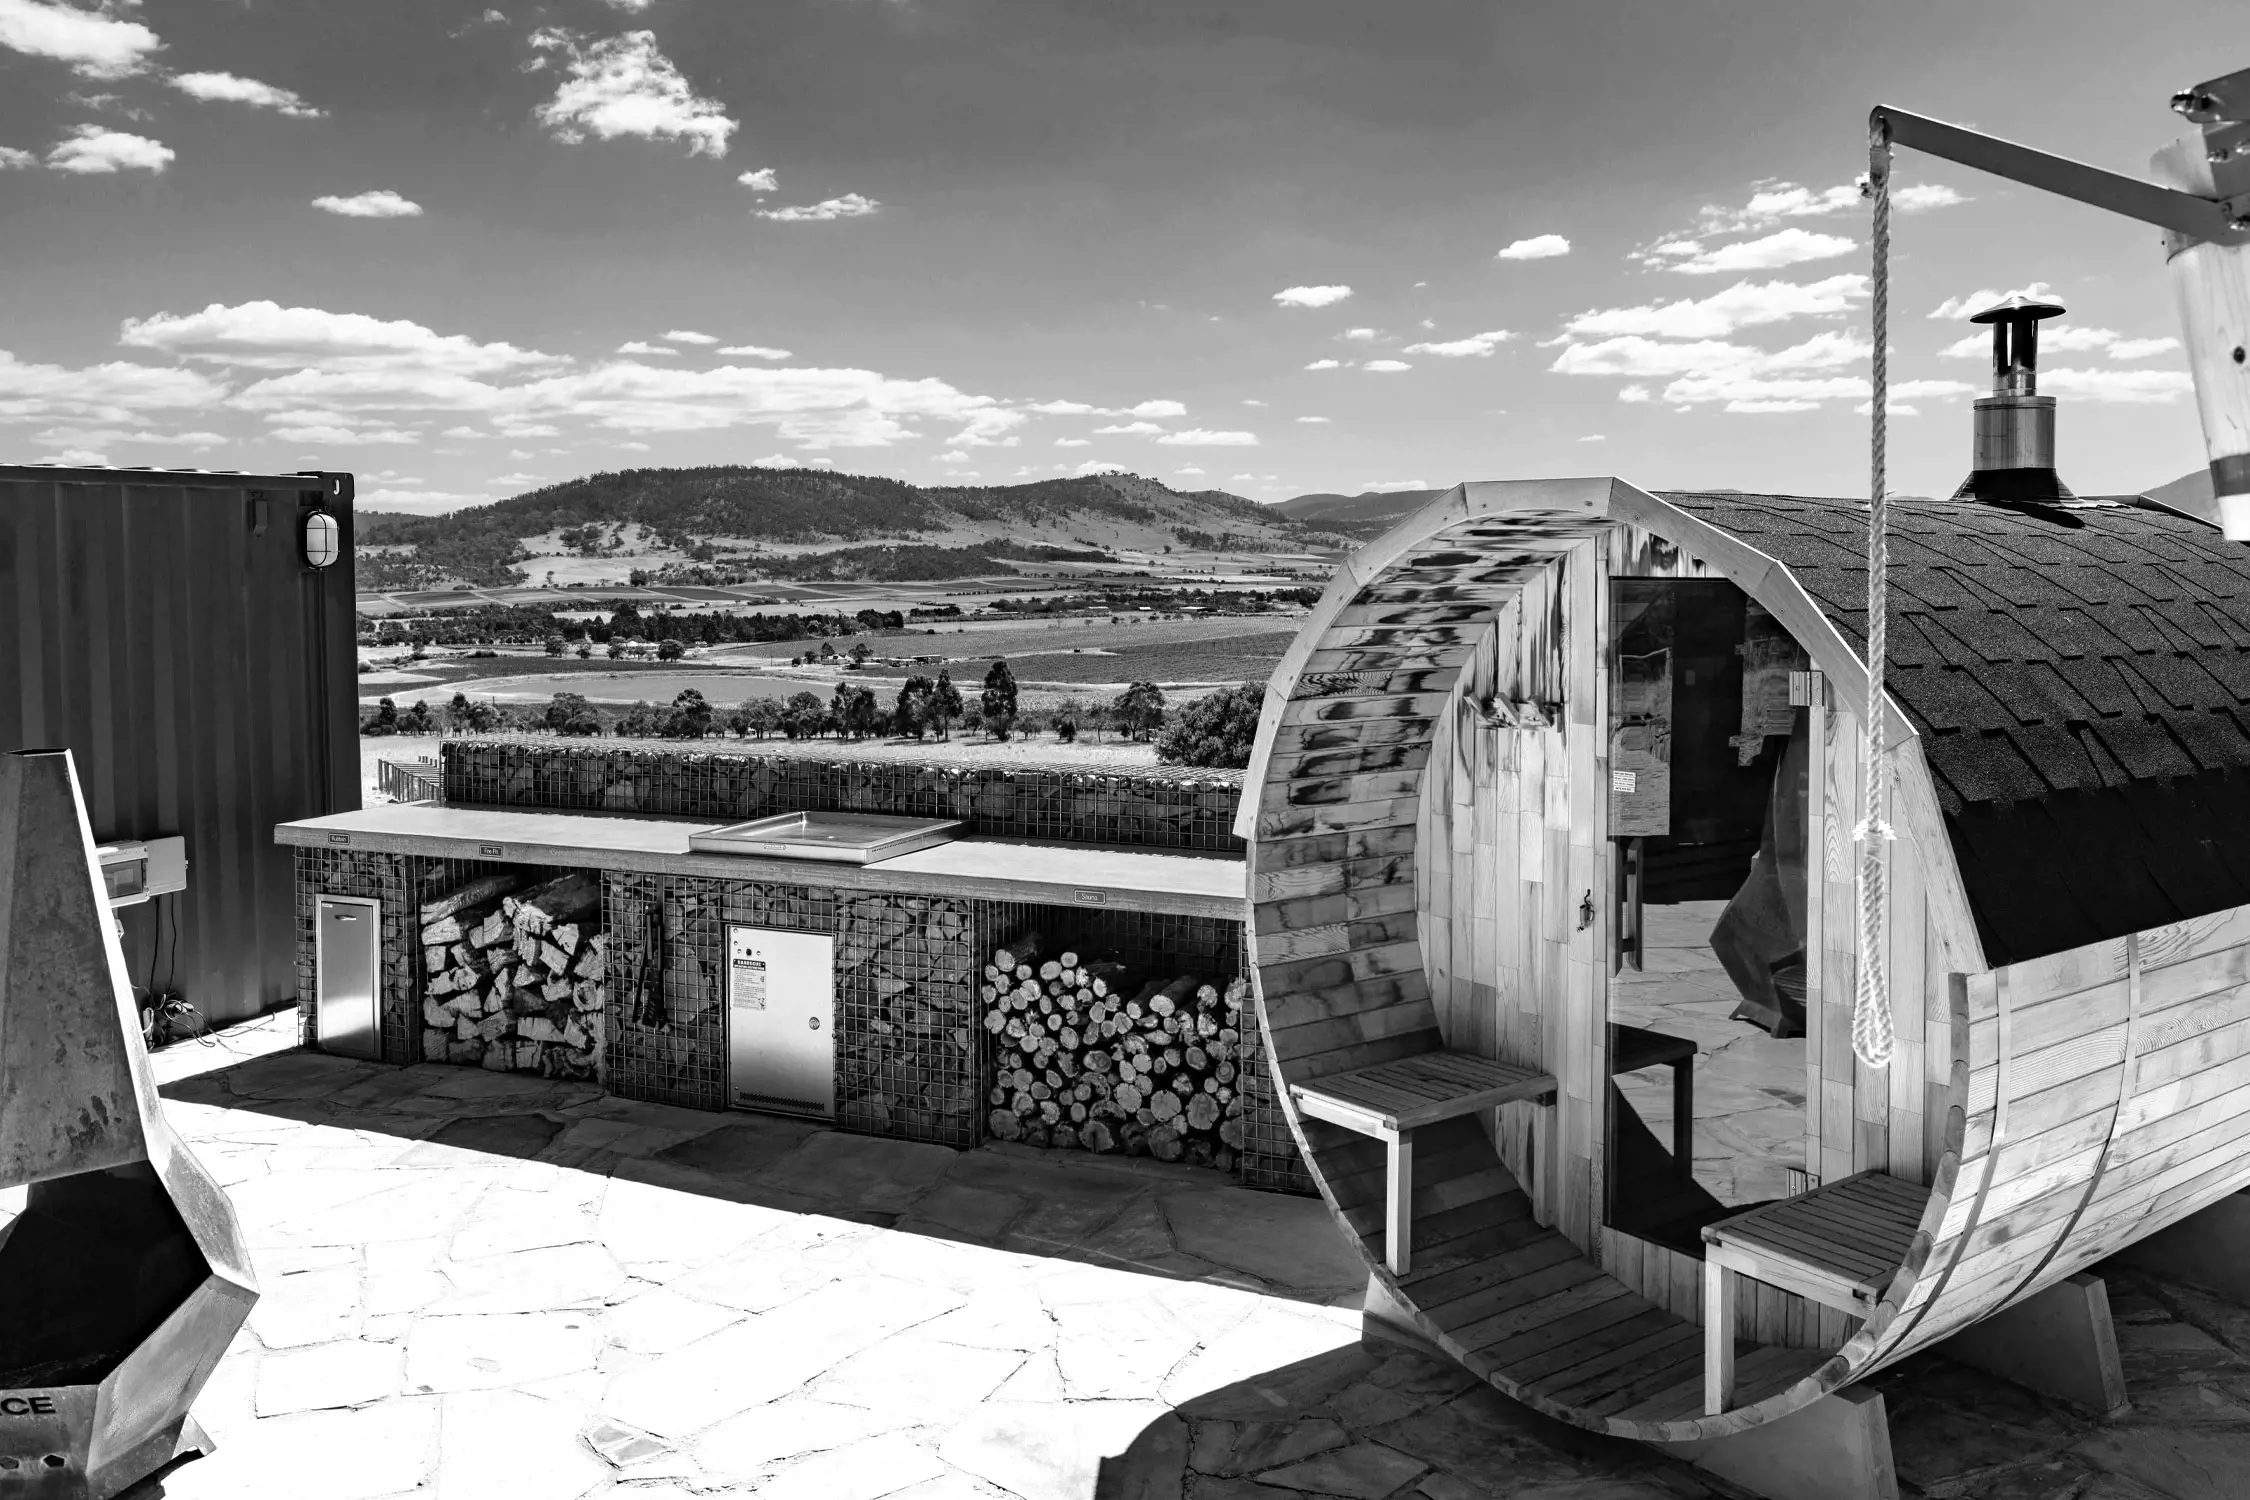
{"x": 746, "y": 974}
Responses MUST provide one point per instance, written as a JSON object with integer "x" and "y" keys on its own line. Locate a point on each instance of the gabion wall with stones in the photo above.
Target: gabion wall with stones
{"x": 1161, "y": 807}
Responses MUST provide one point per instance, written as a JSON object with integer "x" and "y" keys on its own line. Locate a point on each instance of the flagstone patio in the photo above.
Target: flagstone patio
{"x": 478, "y": 1285}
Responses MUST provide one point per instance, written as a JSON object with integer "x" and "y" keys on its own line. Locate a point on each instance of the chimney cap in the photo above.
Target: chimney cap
{"x": 2018, "y": 308}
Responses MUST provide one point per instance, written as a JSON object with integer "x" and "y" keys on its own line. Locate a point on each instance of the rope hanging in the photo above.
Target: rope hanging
{"x": 1871, "y": 1005}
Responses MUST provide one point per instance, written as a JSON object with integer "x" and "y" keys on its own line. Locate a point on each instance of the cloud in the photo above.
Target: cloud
{"x": 1063, "y": 408}
{"x": 1784, "y": 247}
{"x": 463, "y": 432}
{"x": 1311, "y": 296}
{"x": 642, "y": 346}
{"x": 1983, "y": 297}
{"x": 1314, "y": 421}
{"x": 1636, "y": 356}
{"x": 985, "y": 426}
{"x": 94, "y": 44}
{"x": 633, "y": 6}
{"x": 633, "y": 447}
{"x": 1325, "y": 364}
{"x": 1386, "y": 366}
{"x": 753, "y": 351}
{"x": 1593, "y": 437}
{"x": 424, "y": 502}
{"x": 379, "y": 204}
{"x": 954, "y": 457}
{"x": 1074, "y": 442}
{"x": 12, "y": 159}
{"x": 763, "y": 180}
{"x": 1383, "y": 485}
{"x": 775, "y": 461}
{"x": 1476, "y": 346}
{"x": 1129, "y": 429}
{"x": 332, "y": 436}
{"x": 849, "y": 206}
{"x": 264, "y": 335}
{"x": 1920, "y": 197}
{"x": 689, "y": 336}
{"x": 1158, "y": 408}
{"x": 1198, "y": 437}
{"x": 1632, "y": 395}
{"x": 1360, "y": 335}
{"x": 521, "y": 479}
{"x": 79, "y": 458}
{"x": 2135, "y": 387}
{"x": 1746, "y": 304}
{"x": 1097, "y": 466}
{"x": 2142, "y": 348}
{"x": 1538, "y": 247}
{"x": 227, "y": 88}
{"x": 623, "y": 86}
{"x": 95, "y": 149}
{"x": 115, "y": 392}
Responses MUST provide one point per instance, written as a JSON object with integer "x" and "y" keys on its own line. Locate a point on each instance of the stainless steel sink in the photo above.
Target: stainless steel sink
{"x": 845, "y": 837}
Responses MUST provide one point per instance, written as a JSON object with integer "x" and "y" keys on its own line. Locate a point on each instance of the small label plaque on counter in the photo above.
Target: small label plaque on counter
{"x": 491, "y": 851}
{"x": 339, "y": 838}
{"x": 1091, "y": 898}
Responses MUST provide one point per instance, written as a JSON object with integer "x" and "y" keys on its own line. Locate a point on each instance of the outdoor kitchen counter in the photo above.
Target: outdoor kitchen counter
{"x": 1184, "y": 884}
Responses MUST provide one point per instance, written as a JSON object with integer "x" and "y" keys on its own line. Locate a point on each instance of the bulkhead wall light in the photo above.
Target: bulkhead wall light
{"x": 323, "y": 539}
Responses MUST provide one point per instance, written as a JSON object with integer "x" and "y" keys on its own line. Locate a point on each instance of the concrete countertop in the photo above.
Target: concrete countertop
{"x": 1179, "y": 882}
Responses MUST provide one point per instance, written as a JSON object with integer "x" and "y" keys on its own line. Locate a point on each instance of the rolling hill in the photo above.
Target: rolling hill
{"x": 1363, "y": 515}
{"x": 813, "y": 523}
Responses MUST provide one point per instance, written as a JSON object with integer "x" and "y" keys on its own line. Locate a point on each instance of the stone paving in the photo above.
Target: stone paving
{"x": 488, "y": 1286}
{"x": 1749, "y": 1087}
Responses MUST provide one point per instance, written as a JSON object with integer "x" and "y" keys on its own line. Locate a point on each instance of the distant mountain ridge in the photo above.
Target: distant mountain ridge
{"x": 1365, "y": 514}
{"x": 696, "y": 513}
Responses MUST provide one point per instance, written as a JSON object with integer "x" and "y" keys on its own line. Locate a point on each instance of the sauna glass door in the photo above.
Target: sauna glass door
{"x": 1708, "y": 766}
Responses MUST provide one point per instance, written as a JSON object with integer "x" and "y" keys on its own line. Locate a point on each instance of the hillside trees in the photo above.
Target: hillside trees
{"x": 946, "y": 706}
{"x": 999, "y": 700}
{"x": 1139, "y": 710}
{"x": 912, "y": 713}
{"x": 690, "y": 719}
{"x": 804, "y": 716}
{"x": 855, "y": 710}
{"x": 569, "y": 713}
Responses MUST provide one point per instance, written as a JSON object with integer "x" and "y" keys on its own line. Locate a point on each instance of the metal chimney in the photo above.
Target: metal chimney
{"x": 2012, "y": 456}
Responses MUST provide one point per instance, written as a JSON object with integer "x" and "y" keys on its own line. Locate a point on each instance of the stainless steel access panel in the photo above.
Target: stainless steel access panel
{"x": 348, "y": 976}
{"x": 781, "y": 1021}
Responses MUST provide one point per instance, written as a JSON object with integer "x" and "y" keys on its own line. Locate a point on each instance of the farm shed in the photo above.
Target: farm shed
{"x": 171, "y": 630}
{"x": 1550, "y": 834}
{"x": 562, "y": 911}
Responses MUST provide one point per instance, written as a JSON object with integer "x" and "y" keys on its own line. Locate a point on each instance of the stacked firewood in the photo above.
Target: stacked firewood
{"x": 513, "y": 977}
{"x": 1096, "y": 1055}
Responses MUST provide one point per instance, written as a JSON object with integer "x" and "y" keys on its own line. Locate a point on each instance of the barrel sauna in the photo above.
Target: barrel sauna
{"x": 1439, "y": 875}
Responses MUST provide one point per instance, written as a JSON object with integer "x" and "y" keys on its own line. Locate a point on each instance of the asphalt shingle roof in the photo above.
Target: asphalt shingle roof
{"x": 2081, "y": 681}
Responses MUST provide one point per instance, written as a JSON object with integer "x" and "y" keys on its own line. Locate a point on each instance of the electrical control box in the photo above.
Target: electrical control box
{"x": 134, "y": 870}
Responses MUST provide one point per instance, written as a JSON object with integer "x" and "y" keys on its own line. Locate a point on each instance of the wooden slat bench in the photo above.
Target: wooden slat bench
{"x": 1838, "y": 1245}
{"x": 1391, "y": 1100}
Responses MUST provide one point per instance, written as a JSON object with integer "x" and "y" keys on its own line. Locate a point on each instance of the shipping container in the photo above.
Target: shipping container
{"x": 171, "y": 631}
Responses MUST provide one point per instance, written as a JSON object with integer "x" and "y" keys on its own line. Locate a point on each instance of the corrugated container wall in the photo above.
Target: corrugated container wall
{"x": 170, "y": 633}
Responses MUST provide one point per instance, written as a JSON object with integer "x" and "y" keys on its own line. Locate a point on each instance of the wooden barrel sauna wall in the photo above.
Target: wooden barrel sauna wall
{"x": 1430, "y": 869}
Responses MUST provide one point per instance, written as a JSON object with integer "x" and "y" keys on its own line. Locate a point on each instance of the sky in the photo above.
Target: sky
{"x": 1266, "y": 246}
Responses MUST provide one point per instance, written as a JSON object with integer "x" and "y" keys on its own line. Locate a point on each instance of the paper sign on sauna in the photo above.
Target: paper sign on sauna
{"x": 1640, "y": 715}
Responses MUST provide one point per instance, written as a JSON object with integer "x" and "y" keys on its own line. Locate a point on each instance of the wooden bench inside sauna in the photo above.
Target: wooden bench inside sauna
{"x": 1553, "y": 926}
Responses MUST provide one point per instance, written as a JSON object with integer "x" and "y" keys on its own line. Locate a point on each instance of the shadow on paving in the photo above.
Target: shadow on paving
{"x": 1167, "y": 1220}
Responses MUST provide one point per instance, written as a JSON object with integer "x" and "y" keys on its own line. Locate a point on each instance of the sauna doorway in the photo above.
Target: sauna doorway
{"x": 1709, "y": 830}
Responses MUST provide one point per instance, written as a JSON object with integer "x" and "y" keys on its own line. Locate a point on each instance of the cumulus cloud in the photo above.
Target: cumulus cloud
{"x": 1593, "y": 437}
{"x": 2142, "y": 348}
{"x": 1387, "y": 485}
{"x": 1099, "y": 466}
{"x": 762, "y": 180}
{"x": 1311, "y": 296}
{"x": 954, "y": 457}
{"x": 2135, "y": 387}
{"x": 1074, "y": 442}
{"x": 1187, "y": 469}
{"x": 1538, "y": 247}
{"x": 94, "y": 44}
{"x": 227, "y": 88}
{"x": 1158, "y": 408}
{"x": 774, "y": 461}
{"x": 421, "y": 502}
{"x": 1129, "y": 429}
{"x": 1784, "y": 247}
{"x": 265, "y": 335}
{"x": 1386, "y": 366}
{"x": 1325, "y": 364}
{"x": 2066, "y": 338}
{"x": 689, "y": 336}
{"x": 1918, "y": 197}
{"x": 1475, "y": 346}
{"x": 1771, "y": 202}
{"x": 1254, "y": 401}
{"x": 94, "y": 149}
{"x": 1746, "y": 304}
{"x": 379, "y": 204}
{"x": 1198, "y": 437}
{"x": 521, "y": 479}
{"x": 1314, "y": 421}
{"x": 753, "y": 351}
{"x": 623, "y": 86}
{"x": 12, "y": 159}
{"x": 642, "y": 346}
{"x": 1632, "y": 394}
{"x": 1360, "y": 335}
{"x": 849, "y": 206}
{"x": 634, "y": 7}
{"x": 1983, "y": 297}
{"x": 1632, "y": 355}
{"x": 338, "y": 437}
{"x": 1063, "y": 408}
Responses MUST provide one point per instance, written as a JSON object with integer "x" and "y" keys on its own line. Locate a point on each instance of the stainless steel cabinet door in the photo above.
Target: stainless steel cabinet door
{"x": 781, "y": 1021}
{"x": 348, "y": 970}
